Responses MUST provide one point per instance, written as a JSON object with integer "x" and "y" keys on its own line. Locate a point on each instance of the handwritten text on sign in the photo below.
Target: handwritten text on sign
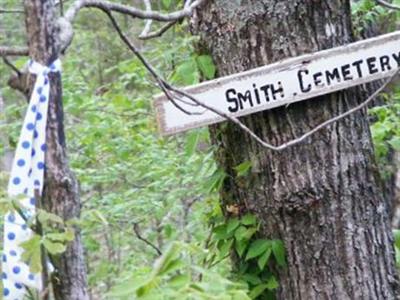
{"x": 284, "y": 82}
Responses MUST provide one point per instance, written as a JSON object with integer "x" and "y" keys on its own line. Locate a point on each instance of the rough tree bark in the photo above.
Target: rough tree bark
{"x": 322, "y": 198}
{"x": 61, "y": 194}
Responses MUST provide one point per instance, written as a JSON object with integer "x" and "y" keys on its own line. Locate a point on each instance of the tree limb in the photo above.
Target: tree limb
{"x": 136, "y": 229}
{"x": 11, "y": 11}
{"x": 147, "y": 27}
{"x": 387, "y": 4}
{"x": 131, "y": 11}
{"x": 13, "y": 51}
{"x": 157, "y": 33}
{"x": 11, "y": 65}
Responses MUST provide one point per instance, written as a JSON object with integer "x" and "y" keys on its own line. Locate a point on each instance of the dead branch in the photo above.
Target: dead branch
{"x": 11, "y": 11}
{"x": 136, "y": 229}
{"x": 11, "y": 65}
{"x": 157, "y": 33}
{"x": 13, "y": 51}
{"x": 387, "y": 4}
{"x": 147, "y": 27}
{"x": 131, "y": 11}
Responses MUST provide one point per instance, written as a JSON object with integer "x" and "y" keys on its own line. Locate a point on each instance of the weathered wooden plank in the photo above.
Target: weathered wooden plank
{"x": 284, "y": 82}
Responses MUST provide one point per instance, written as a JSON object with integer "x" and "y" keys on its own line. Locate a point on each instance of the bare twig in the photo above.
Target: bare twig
{"x": 136, "y": 229}
{"x": 387, "y": 4}
{"x": 11, "y": 11}
{"x": 131, "y": 11}
{"x": 13, "y": 51}
{"x": 167, "y": 88}
{"x": 218, "y": 261}
{"x": 11, "y": 65}
{"x": 157, "y": 33}
{"x": 146, "y": 34}
{"x": 147, "y": 27}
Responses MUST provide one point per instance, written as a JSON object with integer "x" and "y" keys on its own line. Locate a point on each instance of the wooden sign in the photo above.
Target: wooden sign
{"x": 284, "y": 82}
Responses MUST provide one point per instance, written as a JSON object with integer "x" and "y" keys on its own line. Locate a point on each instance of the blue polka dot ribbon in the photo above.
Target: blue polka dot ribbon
{"x": 26, "y": 179}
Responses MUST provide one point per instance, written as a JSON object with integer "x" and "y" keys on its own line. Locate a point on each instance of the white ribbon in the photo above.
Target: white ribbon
{"x": 27, "y": 175}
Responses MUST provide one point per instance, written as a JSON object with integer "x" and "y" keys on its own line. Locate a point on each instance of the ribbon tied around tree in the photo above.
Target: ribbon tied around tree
{"x": 26, "y": 180}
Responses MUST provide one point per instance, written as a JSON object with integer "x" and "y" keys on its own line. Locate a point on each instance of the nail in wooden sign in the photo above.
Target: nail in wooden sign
{"x": 282, "y": 83}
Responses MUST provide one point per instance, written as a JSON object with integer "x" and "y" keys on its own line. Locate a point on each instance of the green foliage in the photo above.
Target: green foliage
{"x": 386, "y": 131}
{"x": 179, "y": 277}
{"x": 367, "y": 13}
{"x": 238, "y": 237}
{"x": 396, "y": 234}
{"x": 191, "y": 70}
{"x": 206, "y": 66}
{"x": 54, "y": 238}
{"x": 243, "y": 168}
{"x": 32, "y": 253}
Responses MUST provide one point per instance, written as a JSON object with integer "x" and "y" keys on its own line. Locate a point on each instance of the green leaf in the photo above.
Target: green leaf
{"x": 179, "y": 281}
{"x": 243, "y": 233}
{"x": 166, "y": 3}
{"x": 54, "y": 247}
{"x": 162, "y": 264}
{"x": 262, "y": 261}
{"x": 272, "y": 283}
{"x": 206, "y": 66}
{"x": 233, "y": 223}
{"x": 240, "y": 295}
{"x": 191, "y": 143}
{"x": 252, "y": 279}
{"x": 240, "y": 247}
{"x": 278, "y": 248}
{"x": 147, "y": 287}
{"x": 215, "y": 181}
{"x": 69, "y": 234}
{"x": 225, "y": 248}
{"x": 257, "y": 248}
{"x": 249, "y": 219}
{"x": 168, "y": 230}
{"x": 66, "y": 236}
{"x": 171, "y": 266}
{"x": 187, "y": 73}
{"x": 221, "y": 232}
{"x": 126, "y": 288}
{"x": 257, "y": 291}
{"x": 243, "y": 168}
{"x": 99, "y": 216}
{"x": 396, "y": 234}
{"x": 44, "y": 217}
{"x": 395, "y": 143}
{"x": 32, "y": 253}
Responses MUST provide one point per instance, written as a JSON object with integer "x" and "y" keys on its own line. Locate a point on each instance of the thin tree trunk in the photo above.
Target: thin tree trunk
{"x": 6, "y": 158}
{"x": 61, "y": 195}
{"x": 322, "y": 198}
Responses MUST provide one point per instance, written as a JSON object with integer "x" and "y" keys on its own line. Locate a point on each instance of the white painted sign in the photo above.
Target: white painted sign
{"x": 284, "y": 82}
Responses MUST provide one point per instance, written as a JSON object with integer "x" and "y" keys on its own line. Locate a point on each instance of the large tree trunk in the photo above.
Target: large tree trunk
{"x": 323, "y": 198}
{"x": 61, "y": 195}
